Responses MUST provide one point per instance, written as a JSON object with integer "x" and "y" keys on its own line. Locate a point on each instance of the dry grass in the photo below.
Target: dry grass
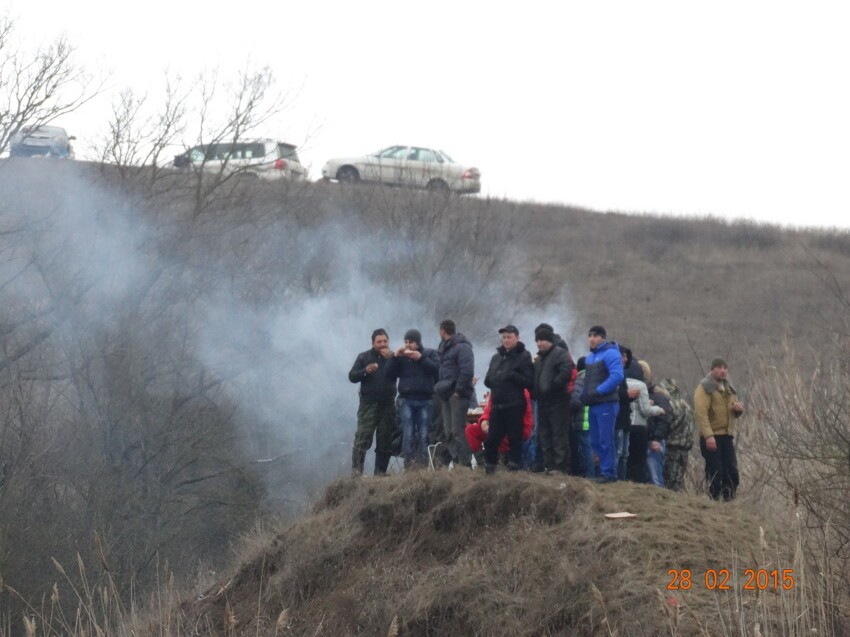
{"x": 457, "y": 553}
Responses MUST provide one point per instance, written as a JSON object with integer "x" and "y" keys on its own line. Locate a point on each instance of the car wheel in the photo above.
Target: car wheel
{"x": 438, "y": 185}
{"x": 348, "y": 175}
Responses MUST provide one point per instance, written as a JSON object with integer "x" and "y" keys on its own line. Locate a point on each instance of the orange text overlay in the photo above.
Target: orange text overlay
{"x": 721, "y": 579}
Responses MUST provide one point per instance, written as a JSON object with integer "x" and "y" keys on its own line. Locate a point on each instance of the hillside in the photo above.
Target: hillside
{"x": 174, "y": 350}
{"x": 462, "y": 554}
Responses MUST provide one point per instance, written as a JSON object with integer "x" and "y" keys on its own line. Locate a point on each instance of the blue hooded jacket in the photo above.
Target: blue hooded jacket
{"x": 603, "y": 374}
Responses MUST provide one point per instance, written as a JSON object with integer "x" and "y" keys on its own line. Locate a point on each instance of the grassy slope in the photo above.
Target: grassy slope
{"x": 463, "y": 554}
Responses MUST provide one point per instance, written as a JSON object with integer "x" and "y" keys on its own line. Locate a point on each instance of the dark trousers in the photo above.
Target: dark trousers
{"x": 454, "y": 429}
{"x": 505, "y": 421}
{"x": 638, "y": 446}
{"x": 378, "y": 420}
{"x": 721, "y": 467}
{"x": 553, "y": 434}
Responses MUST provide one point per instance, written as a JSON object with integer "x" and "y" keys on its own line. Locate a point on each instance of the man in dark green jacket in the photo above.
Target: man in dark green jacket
{"x": 376, "y": 415}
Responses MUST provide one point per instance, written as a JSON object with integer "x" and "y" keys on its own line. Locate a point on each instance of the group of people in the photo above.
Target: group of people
{"x": 601, "y": 417}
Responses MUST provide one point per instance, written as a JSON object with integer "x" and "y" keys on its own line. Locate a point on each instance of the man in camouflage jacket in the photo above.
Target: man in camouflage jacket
{"x": 681, "y": 436}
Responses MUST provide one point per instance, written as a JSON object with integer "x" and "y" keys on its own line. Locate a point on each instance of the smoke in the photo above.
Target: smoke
{"x": 275, "y": 304}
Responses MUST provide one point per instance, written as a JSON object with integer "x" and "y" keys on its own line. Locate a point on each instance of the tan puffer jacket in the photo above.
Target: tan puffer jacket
{"x": 713, "y": 402}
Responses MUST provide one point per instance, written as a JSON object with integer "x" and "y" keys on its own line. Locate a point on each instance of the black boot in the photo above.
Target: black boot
{"x": 382, "y": 461}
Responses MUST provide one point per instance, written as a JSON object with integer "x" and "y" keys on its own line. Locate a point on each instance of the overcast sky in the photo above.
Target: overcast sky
{"x": 739, "y": 109}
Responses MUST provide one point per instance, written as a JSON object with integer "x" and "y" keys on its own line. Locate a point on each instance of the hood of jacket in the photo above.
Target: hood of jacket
{"x": 671, "y": 386}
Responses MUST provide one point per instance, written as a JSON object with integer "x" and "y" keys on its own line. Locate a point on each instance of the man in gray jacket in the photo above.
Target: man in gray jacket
{"x": 454, "y": 387}
{"x": 552, "y": 374}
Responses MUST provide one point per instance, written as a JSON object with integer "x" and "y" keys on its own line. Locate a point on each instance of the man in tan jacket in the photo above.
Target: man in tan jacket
{"x": 716, "y": 407}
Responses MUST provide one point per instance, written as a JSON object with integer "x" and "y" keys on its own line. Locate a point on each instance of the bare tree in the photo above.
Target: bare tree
{"x": 137, "y": 140}
{"x": 37, "y": 87}
{"x": 249, "y": 101}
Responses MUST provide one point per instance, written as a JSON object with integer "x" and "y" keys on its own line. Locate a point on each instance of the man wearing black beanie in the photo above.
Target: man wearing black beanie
{"x": 416, "y": 368}
{"x": 553, "y": 371}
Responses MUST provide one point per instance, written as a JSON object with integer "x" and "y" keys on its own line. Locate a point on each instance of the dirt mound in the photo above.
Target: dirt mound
{"x": 459, "y": 553}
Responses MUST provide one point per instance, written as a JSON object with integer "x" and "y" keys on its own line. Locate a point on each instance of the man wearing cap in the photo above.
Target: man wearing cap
{"x": 716, "y": 407}
{"x": 416, "y": 368}
{"x": 603, "y": 375}
{"x": 376, "y": 414}
{"x": 510, "y": 373}
{"x": 552, "y": 374}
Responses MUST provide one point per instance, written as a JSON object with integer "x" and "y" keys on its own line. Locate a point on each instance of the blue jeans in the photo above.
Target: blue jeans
{"x": 602, "y": 420}
{"x": 622, "y": 443}
{"x": 416, "y": 424}
{"x": 655, "y": 464}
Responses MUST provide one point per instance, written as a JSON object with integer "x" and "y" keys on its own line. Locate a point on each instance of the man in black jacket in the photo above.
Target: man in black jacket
{"x": 376, "y": 414}
{"x": 454, "y": 387}
{"x": 552, "y": 373}
{"x": 510, "y": 373}
{"x": 416, "y": 368}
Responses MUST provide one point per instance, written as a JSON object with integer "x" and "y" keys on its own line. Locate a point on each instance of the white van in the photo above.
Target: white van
{"x": 260, "y": 158}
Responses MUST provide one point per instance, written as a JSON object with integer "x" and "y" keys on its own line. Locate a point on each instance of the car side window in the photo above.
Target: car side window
{"x": 196, "y": 155}
{"x": 423, "y": 154}
{"x": 392, "y": 152}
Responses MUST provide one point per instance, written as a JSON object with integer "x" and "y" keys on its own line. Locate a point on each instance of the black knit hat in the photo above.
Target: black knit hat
{"x": 544, "y": 326}
{"x": 413, "y": 335}
{"x": 544, "y": 335}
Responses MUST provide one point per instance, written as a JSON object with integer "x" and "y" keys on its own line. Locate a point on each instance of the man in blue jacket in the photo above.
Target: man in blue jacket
{"x": 603, "y": 375}
{"x": 416, "y": 368}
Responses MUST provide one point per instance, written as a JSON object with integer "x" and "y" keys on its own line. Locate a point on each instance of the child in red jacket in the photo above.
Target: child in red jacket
{"x": 476, "y": 433}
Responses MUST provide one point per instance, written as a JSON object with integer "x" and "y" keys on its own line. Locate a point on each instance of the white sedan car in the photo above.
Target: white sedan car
{"x": 410, "y": 166}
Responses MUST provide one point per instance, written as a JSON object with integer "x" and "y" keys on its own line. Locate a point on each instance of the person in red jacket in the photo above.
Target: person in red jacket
{"x": 476, "y": 433}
